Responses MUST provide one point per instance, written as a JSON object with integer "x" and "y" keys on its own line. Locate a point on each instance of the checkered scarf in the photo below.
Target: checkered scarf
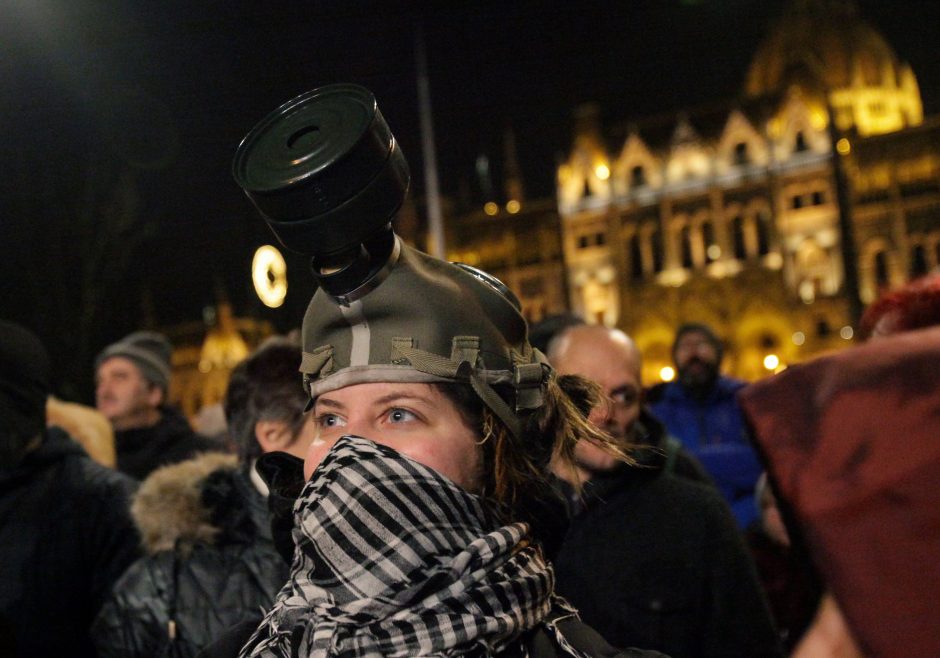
{"x": 392, "y": 559}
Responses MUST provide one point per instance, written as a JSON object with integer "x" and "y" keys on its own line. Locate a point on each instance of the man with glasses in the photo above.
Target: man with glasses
{"x": 652, "y": 557}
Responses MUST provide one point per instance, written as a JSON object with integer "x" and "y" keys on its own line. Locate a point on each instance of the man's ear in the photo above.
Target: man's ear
{"x": 272, "y": 435}
{"x": 155, "y": 396}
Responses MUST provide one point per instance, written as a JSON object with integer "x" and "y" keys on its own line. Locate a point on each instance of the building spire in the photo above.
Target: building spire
{"x": 512, "y": 175}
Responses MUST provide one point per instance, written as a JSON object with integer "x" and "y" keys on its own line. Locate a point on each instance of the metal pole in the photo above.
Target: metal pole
{"x": 846, "y": 227}
{"x": 432, "y": 188}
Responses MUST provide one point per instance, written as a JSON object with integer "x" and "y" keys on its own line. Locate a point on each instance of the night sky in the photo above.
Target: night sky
{"x": 119, "y": 120}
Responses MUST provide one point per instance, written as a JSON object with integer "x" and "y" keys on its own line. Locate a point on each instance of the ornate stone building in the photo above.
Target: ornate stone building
{"x": 731, "y": 214}
{"x": 205, "y": 353}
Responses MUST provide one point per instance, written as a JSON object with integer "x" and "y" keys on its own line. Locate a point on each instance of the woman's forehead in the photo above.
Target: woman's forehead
{"x": 372, "y": 393}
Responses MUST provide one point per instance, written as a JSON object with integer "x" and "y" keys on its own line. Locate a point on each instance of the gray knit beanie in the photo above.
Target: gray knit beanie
{"x": 149, "y": 350}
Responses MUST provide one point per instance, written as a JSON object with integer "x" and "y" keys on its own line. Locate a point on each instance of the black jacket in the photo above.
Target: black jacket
{"x": 65, "y": 536}
{"x": 669, "y": 455}
{"x": 655, "y": 560}
{"x": 211, "y": 562}
{"x": 171, "y": 440}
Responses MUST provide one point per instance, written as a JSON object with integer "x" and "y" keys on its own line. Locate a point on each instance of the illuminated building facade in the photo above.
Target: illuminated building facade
{"x": 205, "y": 353}
{"x": 730, "y": 214}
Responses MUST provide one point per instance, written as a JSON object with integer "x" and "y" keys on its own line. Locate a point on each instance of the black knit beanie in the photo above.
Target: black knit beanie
{"x": 24, "y": 381}
{"x": 698, "y": 328}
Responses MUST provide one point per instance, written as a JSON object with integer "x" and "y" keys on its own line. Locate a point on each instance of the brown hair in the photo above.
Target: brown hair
{"x": 516, "y": 471}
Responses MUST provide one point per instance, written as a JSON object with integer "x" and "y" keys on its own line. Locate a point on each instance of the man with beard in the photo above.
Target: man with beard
{"x": 652, "y": 556}
{"x": 701, "y": 409}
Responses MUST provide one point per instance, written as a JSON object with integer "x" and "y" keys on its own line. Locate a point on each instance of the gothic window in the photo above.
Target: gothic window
{"x": 799, "y": 144}
{"x": 636, "y": 259}
{"x": 919, "y": 266}
{"x": 587, "y": 188}
{"x": 656, "y": 244}
{"x": 796, "y": 201}
{"x": 685, "y": 244}
{"x": 582, "y": 241}
{"x": 740, "y": 153}
{"x": 818, "y": 198}
{"x": 822, "y": 328}
{"x": 881, "y": 269}
{"x": 737, "y": 233}
{"x": 763, "y": 233}
{"x": 600, "y": 239}
{"x": 637, "y": 177}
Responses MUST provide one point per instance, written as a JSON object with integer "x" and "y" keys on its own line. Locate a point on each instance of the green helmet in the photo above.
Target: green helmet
{"x": 428, "y": 321}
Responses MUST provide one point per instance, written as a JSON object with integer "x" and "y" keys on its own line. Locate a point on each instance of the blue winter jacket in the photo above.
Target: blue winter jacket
{"x": 713, "y": 430}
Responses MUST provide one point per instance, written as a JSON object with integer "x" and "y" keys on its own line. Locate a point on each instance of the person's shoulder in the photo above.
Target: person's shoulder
{"x": 729, "y": 385}
{"x": 91, "y": 479}
{"x": 551, "y": 639}
{"x": 182, "y": 439}
{"x": 664, "y": 393}
{"x": 692, "y": 497}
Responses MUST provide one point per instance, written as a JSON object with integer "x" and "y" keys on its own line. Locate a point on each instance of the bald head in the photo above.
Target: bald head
{"x": 585, "y": 350}
{"x": 610, "y": 358}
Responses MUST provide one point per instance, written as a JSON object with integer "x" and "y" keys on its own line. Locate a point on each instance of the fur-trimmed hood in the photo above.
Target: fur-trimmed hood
{"x": 204, "y": 500}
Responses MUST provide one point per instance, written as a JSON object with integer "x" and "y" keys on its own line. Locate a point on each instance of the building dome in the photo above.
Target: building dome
{"x": 826, "y": 49}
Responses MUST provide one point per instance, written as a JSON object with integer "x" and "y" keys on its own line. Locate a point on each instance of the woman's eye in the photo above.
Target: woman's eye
{"x": 400, "y": 415}
{"x": 329, "y": 420}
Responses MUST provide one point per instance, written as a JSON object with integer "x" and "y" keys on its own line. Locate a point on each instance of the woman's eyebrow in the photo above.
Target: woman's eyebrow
{"x": 396, "y": 396}
{"x": 327, "y": 402}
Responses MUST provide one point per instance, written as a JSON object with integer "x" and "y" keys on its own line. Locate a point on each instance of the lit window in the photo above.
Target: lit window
{"x": 737, "y": 234}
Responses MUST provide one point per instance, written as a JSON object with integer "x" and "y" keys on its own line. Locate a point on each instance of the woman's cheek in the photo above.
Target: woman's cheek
{"x": 315, "y": 454}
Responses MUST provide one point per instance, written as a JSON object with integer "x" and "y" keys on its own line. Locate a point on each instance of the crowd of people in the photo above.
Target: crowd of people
{"x": 410, "y": 514}
{"x": 424, "y": 476}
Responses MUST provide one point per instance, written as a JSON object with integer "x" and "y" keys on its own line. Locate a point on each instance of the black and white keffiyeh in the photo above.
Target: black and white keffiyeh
{"x": 393, "y": 559}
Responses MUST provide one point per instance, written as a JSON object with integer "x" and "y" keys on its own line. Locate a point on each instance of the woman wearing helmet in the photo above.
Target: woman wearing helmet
{"x": 418, "y": 530}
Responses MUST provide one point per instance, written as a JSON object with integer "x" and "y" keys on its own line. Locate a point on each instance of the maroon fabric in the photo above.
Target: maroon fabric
{"x": 853, "y": 445}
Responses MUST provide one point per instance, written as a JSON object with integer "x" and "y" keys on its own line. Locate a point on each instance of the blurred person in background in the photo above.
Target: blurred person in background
{"x": 132, "y": 377}
{"x": 66, "y": 533}
{"x": 211, "y": 562}
{"x": 86, "y": 425}
{"x": 700, "y": 408}
{"x": 653, "y": 557}
{"x": 788, "y": 578}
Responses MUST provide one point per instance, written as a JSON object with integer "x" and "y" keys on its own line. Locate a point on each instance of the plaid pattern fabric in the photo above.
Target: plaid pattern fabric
{"x": 392, "y": 559}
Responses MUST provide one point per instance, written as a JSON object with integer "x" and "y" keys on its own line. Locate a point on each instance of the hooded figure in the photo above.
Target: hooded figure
{"x": 66, "y": 533}
{"x": 852, "y": 451}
